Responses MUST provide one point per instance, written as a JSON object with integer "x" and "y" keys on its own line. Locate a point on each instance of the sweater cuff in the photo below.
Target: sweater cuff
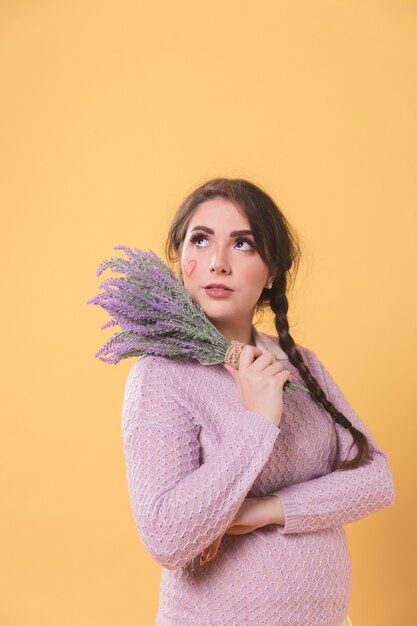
{"x": 261, "y": 424}
{"x": 291, "y": 511}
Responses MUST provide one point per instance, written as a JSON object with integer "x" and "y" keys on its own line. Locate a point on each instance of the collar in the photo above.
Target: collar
{"x": 268, "y": 343}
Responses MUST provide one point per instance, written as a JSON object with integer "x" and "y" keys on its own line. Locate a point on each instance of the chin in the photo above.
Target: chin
{"x": 219, "y": 314}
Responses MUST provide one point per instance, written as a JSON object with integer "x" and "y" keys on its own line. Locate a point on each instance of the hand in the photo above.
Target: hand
{"x": 211, "y": 551}
{"x": 260, "y": 379}
{"x": 240, "y": 529}
{"x": 252, "y": 514}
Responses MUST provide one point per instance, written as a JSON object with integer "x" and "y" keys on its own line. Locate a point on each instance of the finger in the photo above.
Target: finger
{"x": 206, "y": 556}
{"x": 212, "y": 553}
{"x": 275, "y": 368}
{"x": 263, "y": 361}
{"x": 231, "y": 370}
{"x": 239, "y": 529}
{"x": 213, "y": 548}
{"x": 247, "y": 356}
{"x": 215, "y": 545}
{"x": 203, "y": 556}
{"x": 242, "y": 529}
{"x": 283, "y": 376}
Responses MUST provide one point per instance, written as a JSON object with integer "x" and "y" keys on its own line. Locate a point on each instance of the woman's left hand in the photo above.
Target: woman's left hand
{"x": 252, "y": 514}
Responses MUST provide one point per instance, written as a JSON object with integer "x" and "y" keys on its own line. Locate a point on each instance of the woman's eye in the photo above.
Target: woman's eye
{"x": 196, "y": 238}
{"x": 247, "y": 242}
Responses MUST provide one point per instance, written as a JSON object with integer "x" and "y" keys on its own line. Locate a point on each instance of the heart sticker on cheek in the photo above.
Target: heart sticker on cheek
{"x": 189, "y": 266}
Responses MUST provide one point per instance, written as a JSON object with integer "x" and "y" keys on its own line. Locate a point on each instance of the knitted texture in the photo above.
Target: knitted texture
{"x": 193, "y": 454}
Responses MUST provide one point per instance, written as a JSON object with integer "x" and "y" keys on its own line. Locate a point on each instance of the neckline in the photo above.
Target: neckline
{"x": 268, "y": 343}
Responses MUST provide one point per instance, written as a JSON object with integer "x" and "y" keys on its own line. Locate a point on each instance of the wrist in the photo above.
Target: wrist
{"x": 276, "y": 510}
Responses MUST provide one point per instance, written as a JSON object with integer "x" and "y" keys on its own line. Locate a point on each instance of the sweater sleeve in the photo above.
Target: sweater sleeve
{"x": 180, "y": 507}
{"x": 342, "y": 496}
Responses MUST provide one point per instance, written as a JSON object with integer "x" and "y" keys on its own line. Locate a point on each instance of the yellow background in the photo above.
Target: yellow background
{"x": 110, "y": 114}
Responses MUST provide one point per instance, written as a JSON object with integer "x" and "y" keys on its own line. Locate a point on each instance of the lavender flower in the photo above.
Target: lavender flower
{"x": 157, "y": 315}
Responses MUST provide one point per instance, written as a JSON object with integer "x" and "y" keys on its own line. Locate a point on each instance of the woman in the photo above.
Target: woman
{"x": 239, "y": 491}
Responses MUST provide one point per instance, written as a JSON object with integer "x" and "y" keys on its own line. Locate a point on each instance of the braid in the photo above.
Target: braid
{"x": 278, "y": 246}
{"x": 279, "y": 305}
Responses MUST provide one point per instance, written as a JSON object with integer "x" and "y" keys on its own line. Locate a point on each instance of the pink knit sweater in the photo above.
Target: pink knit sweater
{"x": 193, "y": 453}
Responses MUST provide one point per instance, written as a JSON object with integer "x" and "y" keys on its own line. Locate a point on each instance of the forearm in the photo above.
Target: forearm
{"x": 257, "y": 512}
{"x": 254, "y": 513}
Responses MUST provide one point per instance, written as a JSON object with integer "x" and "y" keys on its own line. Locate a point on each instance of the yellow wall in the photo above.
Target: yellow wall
{"x": 110, "y": 114}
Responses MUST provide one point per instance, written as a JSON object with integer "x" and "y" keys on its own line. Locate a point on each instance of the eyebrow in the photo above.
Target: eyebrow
{"x": 234, "y": 233}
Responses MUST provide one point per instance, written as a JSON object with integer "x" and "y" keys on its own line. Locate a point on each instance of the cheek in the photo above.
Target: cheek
{"x": 189, "y": 266}
{"x": 256, "y": 270}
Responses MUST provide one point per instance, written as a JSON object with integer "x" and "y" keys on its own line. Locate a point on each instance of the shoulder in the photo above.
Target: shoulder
{"x": 158, "y": 388}
{"x": 159, "y": 368}
{"x": 152, "y": 375}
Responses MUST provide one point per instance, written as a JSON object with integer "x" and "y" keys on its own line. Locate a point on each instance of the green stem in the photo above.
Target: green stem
{"x": 288, "y": 385}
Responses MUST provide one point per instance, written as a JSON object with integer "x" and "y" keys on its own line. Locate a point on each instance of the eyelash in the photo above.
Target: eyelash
{"x": 197, "y": 236}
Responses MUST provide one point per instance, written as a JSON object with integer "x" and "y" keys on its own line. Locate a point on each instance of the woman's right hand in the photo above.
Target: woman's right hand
{"x": 260, "y": 380}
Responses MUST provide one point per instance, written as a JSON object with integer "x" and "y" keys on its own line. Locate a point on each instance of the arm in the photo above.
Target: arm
{"x": 342, "y": 496}
{"x": 180, "y": 506}
{"x": 253, "y": 514}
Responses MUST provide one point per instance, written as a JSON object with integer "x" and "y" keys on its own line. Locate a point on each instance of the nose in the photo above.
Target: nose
{"x": 219, "y": 264}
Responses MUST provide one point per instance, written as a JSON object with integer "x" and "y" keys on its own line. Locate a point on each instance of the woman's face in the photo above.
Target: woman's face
{"x": 211, "y": 253}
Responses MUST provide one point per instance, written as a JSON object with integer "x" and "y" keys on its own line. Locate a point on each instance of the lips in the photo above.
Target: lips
{"x": 218, "y": 286}
{"x": 218, "y": 290}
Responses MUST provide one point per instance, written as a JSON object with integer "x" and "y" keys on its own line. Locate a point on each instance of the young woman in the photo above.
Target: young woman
{"x": 238, "y": 490}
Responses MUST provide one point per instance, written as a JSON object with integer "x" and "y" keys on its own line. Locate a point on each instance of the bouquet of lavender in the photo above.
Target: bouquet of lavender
{"x": 158, "y": 316}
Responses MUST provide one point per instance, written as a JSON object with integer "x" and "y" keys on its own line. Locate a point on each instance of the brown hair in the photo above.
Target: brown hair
{"x": 279, "y": 248}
